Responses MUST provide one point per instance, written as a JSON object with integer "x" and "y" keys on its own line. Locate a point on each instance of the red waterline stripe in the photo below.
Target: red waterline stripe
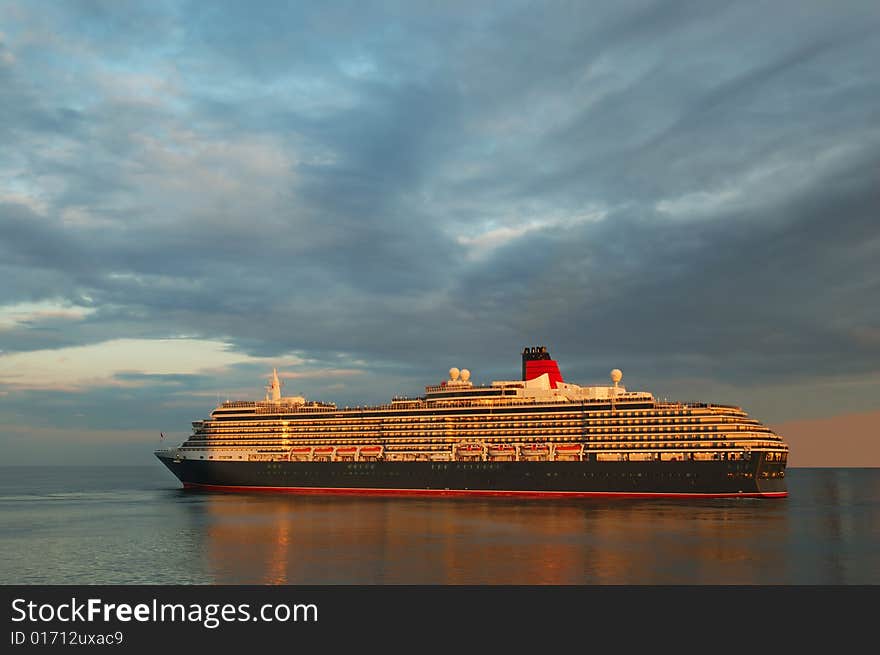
{"x": 476, "y": 492}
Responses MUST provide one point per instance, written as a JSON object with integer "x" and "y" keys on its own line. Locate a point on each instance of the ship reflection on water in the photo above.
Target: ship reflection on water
{"x": 93, "y": 525}
{"x": 344, "y": 540}
{"x": 825, "y": 532}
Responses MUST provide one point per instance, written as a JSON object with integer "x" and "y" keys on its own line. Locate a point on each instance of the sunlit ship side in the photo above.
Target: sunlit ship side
{"x": 538, "y": 436}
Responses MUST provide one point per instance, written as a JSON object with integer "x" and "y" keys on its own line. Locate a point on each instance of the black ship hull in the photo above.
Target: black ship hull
{"x": 538, "y": 479}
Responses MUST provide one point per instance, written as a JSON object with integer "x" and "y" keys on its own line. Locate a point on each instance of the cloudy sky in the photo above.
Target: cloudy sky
{"x": 365, "y": 194}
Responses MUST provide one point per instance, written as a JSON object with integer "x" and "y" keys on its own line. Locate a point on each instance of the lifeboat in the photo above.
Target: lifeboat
{"x": 501, "y": 452}
{"x": 300, "y": 453}
{"x": 346, "y": 452}
{"x": 569, "y": 451}
{"x": 323, "y": 453}
{"x": 469, "y": 451}
{"x": 534, "y": 451}
{"x": 370, "y": 453}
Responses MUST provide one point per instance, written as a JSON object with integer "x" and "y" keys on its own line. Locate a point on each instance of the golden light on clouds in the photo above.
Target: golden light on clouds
{"x": 80, "y": 367}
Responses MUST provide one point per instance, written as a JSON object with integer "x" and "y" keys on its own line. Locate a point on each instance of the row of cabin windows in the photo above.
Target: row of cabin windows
{"x": 501, "y": 422}
{"x": 439, "y": 438}
{"x": 644, "y": 414}
{"x": 489, "y": 438}
{"x": 497, "y": 465}
{"x": 467, "y": 429}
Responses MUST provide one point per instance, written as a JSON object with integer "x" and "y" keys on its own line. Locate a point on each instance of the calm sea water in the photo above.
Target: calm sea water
{"x": 135, "y": 525}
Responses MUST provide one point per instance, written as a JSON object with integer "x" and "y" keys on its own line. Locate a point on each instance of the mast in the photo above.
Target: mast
{"x": 274, "y": 388}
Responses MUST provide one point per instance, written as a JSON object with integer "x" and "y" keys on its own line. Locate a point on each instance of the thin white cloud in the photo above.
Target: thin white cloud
{"x": 482, "y": 244}
{"x": 790, "y": 174}
{"x": 25, "y": 313}
{"x": 29, "y": 198}
{"x": 83, "y": 367}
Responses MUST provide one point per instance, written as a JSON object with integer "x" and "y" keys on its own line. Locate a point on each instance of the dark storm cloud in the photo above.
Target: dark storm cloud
{"x": 777, "y": 290}
{"x": 678, "y": 187}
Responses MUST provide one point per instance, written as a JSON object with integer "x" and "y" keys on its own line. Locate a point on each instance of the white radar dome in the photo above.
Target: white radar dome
{"x": 616, "y": 375}
{"x": 465, "y": 375}
{"x": 453, "y": 373}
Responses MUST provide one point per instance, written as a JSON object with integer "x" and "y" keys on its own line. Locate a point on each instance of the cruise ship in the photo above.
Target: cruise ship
{"x": 538, "y": 436}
